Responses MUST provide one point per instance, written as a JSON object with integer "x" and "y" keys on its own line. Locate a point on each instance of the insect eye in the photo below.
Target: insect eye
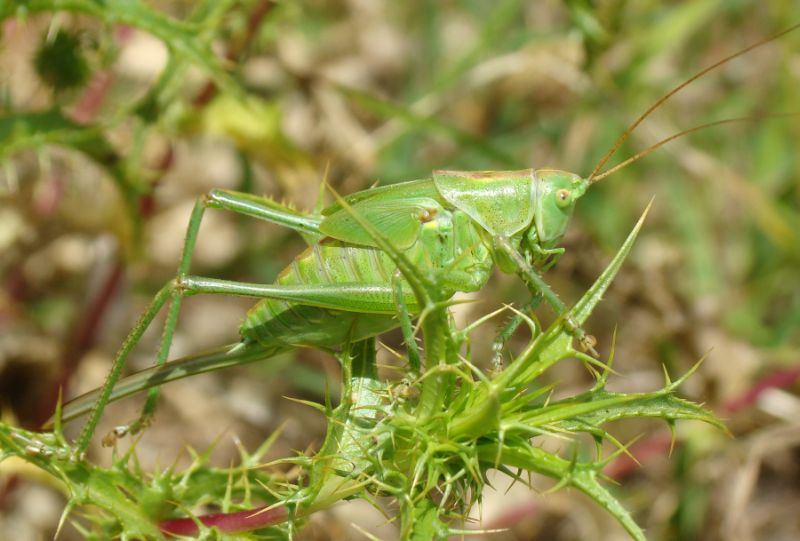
{"x": 563, "y": 197}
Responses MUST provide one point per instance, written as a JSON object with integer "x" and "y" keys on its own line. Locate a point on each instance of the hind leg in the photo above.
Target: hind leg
{"x": 257, "y": 207}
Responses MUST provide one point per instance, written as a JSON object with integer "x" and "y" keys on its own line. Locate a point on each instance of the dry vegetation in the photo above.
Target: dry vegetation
{"x": 365, "y": 91}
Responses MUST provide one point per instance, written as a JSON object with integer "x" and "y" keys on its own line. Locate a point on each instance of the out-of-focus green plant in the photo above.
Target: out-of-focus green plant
{"x": 727, "y": 226}
{"x": 60, "y": 62}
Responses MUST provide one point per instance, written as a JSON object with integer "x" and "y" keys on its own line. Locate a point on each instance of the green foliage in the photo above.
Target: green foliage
{"x": 184, "y": 39}
{"x": 429, "y": 448}
{"x": 123, "y": 501}
{"x": 431, "y": 439}
{"x": 38, "y": 130}
{"x": 60, "y": 61}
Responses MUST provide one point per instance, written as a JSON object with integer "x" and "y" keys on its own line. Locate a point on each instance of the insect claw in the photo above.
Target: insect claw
{"x": 118, "y": 432}
{"x": 587, "y": 341}
{"x": 109, "y": 440}
{"x": 587, "y": 345}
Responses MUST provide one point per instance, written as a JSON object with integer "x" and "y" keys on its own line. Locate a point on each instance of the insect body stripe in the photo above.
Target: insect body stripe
{"x": 348, "y": 256}
{"x": 321, "y": 264}
{"x": 375, "y": 260}
{"x": 450, "y": 248}
{"x": 274, "y": 321}
{"x": 295, "y": 272}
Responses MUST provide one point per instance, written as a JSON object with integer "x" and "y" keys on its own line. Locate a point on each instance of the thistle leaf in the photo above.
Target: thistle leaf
{"x": 582, "y": 476}
{"x": 580, "y": 312}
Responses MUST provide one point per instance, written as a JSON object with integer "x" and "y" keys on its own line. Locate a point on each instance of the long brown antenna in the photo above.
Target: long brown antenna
{"x": 663, "y": 142}
{"x": 627, "y": 133}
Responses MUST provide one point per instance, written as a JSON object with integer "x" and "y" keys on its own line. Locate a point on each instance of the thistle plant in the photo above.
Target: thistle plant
{"x": 426, "y": 443}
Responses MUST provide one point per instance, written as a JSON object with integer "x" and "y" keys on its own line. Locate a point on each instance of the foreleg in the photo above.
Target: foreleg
{"x": 538, "y": 286}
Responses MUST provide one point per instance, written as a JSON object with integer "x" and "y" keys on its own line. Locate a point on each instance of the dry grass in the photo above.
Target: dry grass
{"x": 386, "y": 92}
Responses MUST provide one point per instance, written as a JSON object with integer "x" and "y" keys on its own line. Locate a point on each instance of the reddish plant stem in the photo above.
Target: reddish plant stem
{"x": 779, "y": 379}
{"x": 89, "y": 104}
{"x": 240, "y": 521}
{"x": 260, "y": 11}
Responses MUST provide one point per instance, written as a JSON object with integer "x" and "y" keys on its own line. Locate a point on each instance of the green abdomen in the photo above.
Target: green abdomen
{"x": 330, "y": 262}
{"x": 449, "y": 251}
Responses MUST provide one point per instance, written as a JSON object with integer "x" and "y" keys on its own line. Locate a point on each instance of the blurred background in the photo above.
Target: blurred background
{"x": 114, "y": 123}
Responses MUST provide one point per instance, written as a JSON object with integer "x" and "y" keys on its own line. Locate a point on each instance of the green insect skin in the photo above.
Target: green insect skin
{"x": 454, "y": 227}
{"x": 452, "y": 242}
{"x": 449, "y": 247}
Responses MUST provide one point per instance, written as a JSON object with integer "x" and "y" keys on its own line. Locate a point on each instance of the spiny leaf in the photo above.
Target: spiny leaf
{"x": 425, "y": 524}
{"x": 660, "y": 405}
{"x": 479, "y": 418}
{"x": 568, "y": 409}
{"x": 555, "y": 343}
{"x": 567, "y": 472}
{"x": 580, "y": 312}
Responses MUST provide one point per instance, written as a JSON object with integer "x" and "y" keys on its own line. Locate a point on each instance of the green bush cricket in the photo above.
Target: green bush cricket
{"x": 454, "y": 226}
